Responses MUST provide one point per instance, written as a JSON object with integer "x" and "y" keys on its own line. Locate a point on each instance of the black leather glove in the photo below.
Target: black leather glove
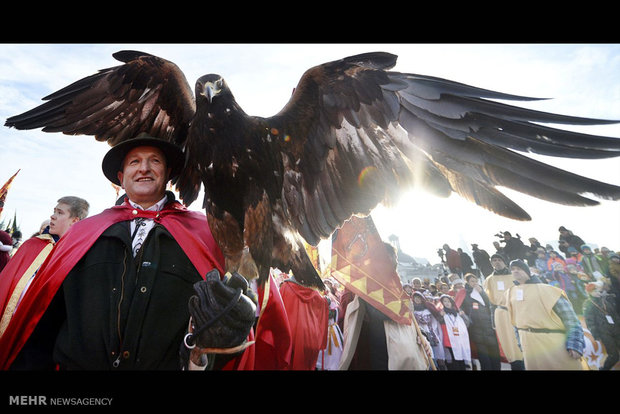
{"x": 222, "y": 313}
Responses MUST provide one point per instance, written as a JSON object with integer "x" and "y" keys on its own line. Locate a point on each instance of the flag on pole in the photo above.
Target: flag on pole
{"x": 5, "y": 189}
{"x": 361, "y": 263}
{"x": 313, "y": 254}
{"x": 320, "y": 255}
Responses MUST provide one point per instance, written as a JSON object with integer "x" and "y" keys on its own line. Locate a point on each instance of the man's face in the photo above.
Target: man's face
{"x": 519, "y": 274}
{"x": 498, "y": 264}
{"x": 61, "y": 220}
{"x": 144, "y": 175}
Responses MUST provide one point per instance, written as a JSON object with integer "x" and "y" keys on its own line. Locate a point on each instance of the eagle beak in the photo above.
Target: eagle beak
{"x": 209, "y": 91}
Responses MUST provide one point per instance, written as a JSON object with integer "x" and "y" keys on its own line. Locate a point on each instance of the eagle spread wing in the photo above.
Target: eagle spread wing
{"x": 353, "y": 134}
{"x": 145, "y": 95}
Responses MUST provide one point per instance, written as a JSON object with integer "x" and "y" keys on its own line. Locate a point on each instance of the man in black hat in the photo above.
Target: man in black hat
{"x": 549, "y": 331}
{"x": 568, "y": 239}
{"x": 513, "y": 247}
{"x": 495, "y": 286}
{"x": 482, "y": 261}
{"x": 116, "y": 291}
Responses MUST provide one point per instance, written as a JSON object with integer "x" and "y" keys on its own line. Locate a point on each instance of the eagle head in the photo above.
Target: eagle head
{"x": 210, "y": 86}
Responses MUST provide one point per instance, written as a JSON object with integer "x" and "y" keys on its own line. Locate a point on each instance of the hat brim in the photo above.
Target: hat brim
{"x": 113, "y": 160}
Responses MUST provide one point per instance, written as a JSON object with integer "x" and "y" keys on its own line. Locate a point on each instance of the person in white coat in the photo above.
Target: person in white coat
{"x": 456, "y": 335}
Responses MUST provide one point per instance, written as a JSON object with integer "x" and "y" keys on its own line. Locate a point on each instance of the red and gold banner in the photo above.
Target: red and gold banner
{"x": 361, "y": 263}
{"x": 313, "y": 254}
{"x": 5, "y": 189}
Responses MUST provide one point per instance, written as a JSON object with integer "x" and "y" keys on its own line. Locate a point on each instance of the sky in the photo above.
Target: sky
{"x": 579, "y": 79}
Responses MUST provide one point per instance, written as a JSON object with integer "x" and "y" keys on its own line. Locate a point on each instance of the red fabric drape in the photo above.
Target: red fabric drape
{"x": 308, "y": 316}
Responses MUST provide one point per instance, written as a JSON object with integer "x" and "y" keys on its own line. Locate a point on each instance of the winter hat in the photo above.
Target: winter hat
{"x": 498, "y": 256}
{"x": 454, "y": 309}
{"x": 417, "y": 293}
{"x": 585, "y": 246}
{"x": 522, "y": 265}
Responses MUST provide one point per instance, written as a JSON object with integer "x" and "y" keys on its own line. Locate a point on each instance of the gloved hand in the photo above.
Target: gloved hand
{"x": 222, "y": 313}
{"x": 235, "y": 280}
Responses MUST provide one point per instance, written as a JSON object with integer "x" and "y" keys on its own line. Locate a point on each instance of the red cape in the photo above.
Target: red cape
{"x": 273, "y": 332}
{"x": 189, "y": 229}
{"x": 308, "y": 314}
{"x": 18, "y": 264}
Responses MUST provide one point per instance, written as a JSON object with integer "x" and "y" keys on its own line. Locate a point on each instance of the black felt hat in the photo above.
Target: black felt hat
{"x": 113, "y": 160}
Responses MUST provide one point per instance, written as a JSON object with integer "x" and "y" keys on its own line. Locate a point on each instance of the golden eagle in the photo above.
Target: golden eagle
{"x": 353, "y": 134}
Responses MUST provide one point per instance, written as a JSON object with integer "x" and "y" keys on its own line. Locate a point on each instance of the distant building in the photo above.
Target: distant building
{"x": 410, "y": 268}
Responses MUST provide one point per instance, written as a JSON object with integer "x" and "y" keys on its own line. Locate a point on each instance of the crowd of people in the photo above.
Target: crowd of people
{"x": 151, "y": 280}
{"x": 520, "y": 308}
{"x": 586, "y": 281}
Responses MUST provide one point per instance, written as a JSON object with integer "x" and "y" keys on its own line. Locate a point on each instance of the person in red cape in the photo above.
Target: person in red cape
{"x": 273, "y": 333}
{"x": 114, "y": 293}
{"x": 6, "y": 244}
{"x": 308, "y": 313}
{"x": 23, "y": 266}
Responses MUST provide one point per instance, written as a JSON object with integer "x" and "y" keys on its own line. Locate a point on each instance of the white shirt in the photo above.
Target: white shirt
{"x": 477, "y": 296}
{"x": 147, "y": 224}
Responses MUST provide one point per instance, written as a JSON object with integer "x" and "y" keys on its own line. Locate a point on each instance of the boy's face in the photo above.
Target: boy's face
{"x": 61, "y": 220}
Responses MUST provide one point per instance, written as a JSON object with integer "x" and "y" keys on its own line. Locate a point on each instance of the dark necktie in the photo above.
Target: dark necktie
{"x": 138, "y": 235}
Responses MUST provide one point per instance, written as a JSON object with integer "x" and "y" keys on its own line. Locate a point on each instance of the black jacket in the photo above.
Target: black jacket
{"x": 514, "y": 249}
{"x": 122, "y": 312}
{"x": 481, "y": 326}
{"x": 595, "y": 312}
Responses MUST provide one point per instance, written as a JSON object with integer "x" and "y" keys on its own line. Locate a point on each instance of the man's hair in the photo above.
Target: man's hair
{"x": 78, "y": 207}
